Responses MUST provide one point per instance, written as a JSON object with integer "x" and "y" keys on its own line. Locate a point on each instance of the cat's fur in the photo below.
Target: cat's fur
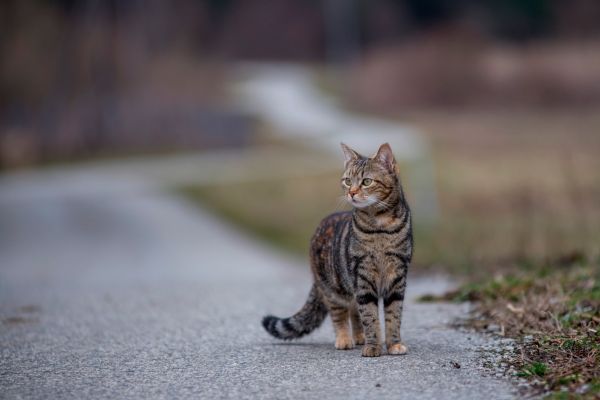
{"x": 358, "y": 257}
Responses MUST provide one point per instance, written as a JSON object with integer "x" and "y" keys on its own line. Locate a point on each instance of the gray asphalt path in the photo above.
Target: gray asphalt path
{"x": 112, "y": 288}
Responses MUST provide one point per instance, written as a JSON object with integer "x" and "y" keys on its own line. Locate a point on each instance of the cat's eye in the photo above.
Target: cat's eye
{"x": 347, "y": 182}
{"x": 367, "y": 182}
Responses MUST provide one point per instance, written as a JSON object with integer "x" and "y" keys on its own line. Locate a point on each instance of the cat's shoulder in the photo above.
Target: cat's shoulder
{"x": 336, "y": 217}
{"x": 327, "y": 228}
{"x": 330, "y": 221}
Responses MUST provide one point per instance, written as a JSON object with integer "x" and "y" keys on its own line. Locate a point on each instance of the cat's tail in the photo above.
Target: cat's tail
{"x": 309, "y": 318}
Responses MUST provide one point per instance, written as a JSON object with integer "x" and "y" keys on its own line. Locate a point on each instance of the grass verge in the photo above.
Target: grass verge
{"x": 553, "y": 312}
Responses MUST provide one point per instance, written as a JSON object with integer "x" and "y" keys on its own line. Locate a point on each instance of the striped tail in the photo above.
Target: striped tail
{"x": 309, "y": 318}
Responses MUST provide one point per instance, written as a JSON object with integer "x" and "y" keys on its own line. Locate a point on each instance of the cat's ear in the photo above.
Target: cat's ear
{"x": 349, "y": 154}
{"x": 384, "y": 156}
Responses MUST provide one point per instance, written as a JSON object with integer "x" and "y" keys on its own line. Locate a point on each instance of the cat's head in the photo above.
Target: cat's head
{"x": 368, "y": 181}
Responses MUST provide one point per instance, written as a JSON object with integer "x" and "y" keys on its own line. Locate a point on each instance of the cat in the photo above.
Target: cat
{"x": 358, "y": 257}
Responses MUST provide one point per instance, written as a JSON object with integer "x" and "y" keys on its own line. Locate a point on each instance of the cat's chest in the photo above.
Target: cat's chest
{"x": 379, "y": 249}
{"x": 385, "y": 221}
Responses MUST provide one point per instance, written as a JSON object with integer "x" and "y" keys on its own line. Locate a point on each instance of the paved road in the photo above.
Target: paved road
{"x": 112, "y": 288}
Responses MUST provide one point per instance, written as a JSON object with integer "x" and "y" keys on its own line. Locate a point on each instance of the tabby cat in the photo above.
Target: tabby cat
{"x": 358, "y": 257}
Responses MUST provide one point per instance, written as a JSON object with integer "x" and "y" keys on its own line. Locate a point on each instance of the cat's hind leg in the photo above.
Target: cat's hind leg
{"x": 357, "y": 330}
{"x": 340, "y": 318}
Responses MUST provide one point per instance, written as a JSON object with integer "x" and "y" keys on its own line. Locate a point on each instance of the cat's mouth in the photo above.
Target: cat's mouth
{"x": 361, "y": 203}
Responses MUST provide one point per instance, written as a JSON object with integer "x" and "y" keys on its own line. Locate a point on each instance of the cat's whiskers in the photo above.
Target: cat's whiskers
{"x": 383, "y": 204}
{"x": 341, "y": 202}
{"x": 378, "y": 203}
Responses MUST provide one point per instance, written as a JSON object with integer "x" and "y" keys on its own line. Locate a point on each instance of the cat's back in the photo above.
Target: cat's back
{"x": 330, "y": 225}
{"x": 329, "y": 229}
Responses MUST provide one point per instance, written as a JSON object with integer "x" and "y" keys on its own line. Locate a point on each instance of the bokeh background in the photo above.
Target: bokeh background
{"x": 502, "y": 99}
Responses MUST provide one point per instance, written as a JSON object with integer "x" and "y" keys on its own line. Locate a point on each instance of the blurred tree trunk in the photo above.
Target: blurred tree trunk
{"x": 342, "y": 30}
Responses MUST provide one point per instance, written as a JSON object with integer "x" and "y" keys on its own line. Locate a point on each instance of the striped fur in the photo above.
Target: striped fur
{"x": 358, "y": 257}
{"x": 310, "y": 317}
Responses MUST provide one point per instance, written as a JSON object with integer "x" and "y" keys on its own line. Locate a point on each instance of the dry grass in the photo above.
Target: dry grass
{"x": 514, "y": 185}
{"x": 554, "y": 313}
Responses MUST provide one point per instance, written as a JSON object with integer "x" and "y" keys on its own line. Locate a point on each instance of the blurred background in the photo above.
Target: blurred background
{"x": 492, "y": 108}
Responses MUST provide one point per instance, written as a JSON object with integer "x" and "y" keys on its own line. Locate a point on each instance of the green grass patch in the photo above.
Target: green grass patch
{"x": 534, "y": 369}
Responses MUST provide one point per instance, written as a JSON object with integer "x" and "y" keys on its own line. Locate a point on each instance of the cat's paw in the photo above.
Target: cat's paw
{"x": 359, "y": 339}
{"x": 397, "y": 349}
{"x": 371, "y": 351}
{"x": 344, "y": 343}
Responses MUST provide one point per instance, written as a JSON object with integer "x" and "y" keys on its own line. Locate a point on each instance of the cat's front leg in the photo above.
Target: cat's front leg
{"x": 367, "y": 300}
{"x": 393, "y": 302}
{"x": 357, "y": 330}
